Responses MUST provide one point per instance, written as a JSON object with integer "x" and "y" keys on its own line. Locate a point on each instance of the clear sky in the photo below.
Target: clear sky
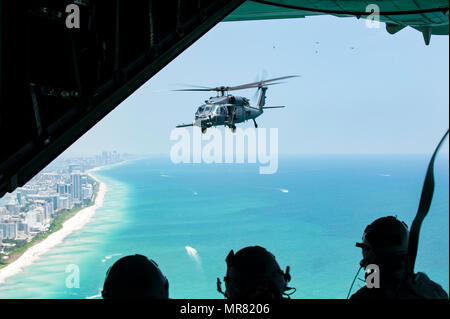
{"x": 361, "y": 90}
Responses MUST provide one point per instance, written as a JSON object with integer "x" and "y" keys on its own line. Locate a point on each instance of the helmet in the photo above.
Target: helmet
{"x": 254, "y": 273}
{"x": 386, "y": 237}
{"x": 135, "y": 276}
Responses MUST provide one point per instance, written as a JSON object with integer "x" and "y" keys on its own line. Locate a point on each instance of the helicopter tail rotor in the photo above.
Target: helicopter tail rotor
{"x": 262, "y": 97}
{"x": 259, "y": 78}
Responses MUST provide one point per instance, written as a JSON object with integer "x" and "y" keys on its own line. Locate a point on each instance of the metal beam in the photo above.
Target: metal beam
{"x": 31, "y": 158}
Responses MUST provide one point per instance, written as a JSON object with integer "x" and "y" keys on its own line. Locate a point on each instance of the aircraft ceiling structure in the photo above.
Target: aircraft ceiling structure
{"x": 427, "y": 16}
{"x": 57, "y": 82}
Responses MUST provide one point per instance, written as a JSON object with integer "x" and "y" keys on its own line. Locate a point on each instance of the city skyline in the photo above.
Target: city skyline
{"x": 62, "y": 186}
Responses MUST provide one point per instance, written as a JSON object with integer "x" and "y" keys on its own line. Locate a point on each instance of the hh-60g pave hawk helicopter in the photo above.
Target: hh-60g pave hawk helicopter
{"x": 228, "y": 110}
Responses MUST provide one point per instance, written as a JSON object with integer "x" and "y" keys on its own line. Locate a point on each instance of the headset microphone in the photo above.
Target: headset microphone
{"x": 364, "y": 263}
{"x": 287, "y": 276}
{"x": 354, "y": 279}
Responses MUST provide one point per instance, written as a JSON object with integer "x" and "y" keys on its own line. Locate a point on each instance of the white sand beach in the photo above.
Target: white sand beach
{"x": 74, "y": 223}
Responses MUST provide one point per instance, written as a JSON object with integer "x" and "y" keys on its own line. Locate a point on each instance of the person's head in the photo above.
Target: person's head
{"x": 135, "y": 276}
{"x": 385, "y": 243}
{"x": 253, "y": 273}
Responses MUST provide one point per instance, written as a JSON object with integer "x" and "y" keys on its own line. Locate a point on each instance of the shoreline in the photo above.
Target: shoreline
{"x": 76, "y": 222}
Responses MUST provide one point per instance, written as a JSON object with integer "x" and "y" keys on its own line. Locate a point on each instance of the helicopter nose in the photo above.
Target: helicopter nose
{"x": 200, "y": 122}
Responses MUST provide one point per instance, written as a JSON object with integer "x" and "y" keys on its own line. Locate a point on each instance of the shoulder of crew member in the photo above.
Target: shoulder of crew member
{"x": 366, "y": 293}
{"x": 423, "y": 286}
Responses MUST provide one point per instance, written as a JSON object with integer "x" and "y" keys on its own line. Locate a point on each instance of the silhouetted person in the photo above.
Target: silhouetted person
{"x": 253, "y": 273}
{"x": 385, "y": 244}
{"x": 137, "y": 277}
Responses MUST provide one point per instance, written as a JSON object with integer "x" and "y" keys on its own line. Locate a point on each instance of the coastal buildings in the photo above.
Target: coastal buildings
{"x": 9, "y": 230}
{"x": 62, "y": 186}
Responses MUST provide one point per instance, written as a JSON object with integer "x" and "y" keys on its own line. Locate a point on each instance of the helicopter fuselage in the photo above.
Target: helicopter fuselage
{"x": 225, "y": 110}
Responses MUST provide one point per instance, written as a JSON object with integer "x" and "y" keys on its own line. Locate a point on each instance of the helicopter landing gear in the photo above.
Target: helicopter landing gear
{"x": 204, "y": 130}
{"x": 254, "y": 122}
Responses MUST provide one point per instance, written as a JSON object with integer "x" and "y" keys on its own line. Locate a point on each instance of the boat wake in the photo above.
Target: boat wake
{"x": 193, "y": 254}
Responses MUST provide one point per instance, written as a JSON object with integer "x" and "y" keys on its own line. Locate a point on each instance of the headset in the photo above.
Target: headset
{"x": 275, "y": 279}
{"x": 397, "y": 228}
{"x": 123, "y": 270}
{"x": 372, "y": 252}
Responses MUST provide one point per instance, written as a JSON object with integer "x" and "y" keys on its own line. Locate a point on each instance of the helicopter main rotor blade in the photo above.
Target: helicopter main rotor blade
{"x": 239, "y": 87}
{"x": 260, "y": 83}
{"x": 248, "y": 86}
{"x": 192, "y": 86}
{"x": 196, "y": 90}
{"x": 217, "y": 89}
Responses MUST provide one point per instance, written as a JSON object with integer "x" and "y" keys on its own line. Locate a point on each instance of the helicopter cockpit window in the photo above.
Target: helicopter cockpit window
{"x": 200, "y": 109}
{"x": 207, "y": 109}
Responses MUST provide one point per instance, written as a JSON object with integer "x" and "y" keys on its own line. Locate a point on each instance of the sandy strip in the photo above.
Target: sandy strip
{"x": 74, "y": 223}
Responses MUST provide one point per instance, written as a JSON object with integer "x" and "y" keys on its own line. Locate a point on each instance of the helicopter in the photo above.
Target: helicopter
{"x": 228, "y": 110}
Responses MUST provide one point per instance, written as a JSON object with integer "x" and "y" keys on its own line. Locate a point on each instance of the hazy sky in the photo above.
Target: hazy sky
{"x": 361, "y": 90}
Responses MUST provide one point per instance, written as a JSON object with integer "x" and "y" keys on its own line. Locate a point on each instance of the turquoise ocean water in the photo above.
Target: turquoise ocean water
{"x": 309, "y": 214}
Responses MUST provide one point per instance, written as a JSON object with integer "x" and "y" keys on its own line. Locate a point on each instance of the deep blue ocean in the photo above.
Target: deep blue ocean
{"x": 309, "y": 215}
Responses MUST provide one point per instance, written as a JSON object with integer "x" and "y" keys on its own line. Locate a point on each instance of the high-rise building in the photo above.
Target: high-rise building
{"x": 46, "y": 207}
{"x": 84, "y": 181}
{"x": 9, "y": 230}
{"x": 105, "y": 157}
{"x": 75, "y": 179}
{"x": 74, "y": 168}
{"x": 12, "y": 208}
{"x": 19, "y": 198}
{"x": 60, "y": 188}
{"x": 64, "y": 202}
{"x": 115, "y": 156}
{"x": 87, "y": 191}
{"x": 54, "y": 201}
{"x": 12, "y": 230}
{"x": 23, "y": 227}
{"x": 36, "y": 218}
